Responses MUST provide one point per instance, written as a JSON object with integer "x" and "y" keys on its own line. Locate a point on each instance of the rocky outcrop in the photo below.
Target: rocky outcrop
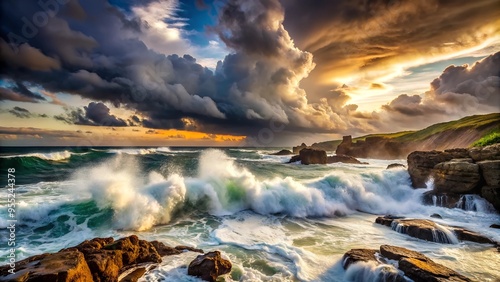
{"x": 372, "y": 147}
{"x": 357, "y": 255}
{"x": 457, "y": 172}
{"x": 209, "y": 266}
{"x": 457, "y": 176}
{"x": 99, "y": 259}
{"x": 412, "y": 264}
{"x": 430, "y": 231}
{"x": 343, "y": 159}
{"x": 296, "y": 150}
{"x": 311, "y": 156}
{"x": 283, "y": 153}
{"x": 492, "y": 195}
{"x": 67, "y": 265}
{"x": 421, "y": 165}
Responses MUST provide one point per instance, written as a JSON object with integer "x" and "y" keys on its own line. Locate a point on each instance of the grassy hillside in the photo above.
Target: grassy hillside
{"x": 477, "y": 122}
{"x": 472, "y": 122}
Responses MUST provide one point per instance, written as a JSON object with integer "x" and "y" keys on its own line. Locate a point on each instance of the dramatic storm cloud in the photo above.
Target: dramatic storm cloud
{"x": 137, "y": 59}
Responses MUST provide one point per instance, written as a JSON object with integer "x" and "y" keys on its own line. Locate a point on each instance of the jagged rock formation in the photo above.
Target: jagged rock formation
{"x": 99, "y": 259}
{"x": 296, "y": 150}
{"x": 412, "y": 264}
{"x": 457, "y": 172}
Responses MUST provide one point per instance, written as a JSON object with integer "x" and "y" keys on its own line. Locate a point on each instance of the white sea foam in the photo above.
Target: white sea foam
{"x": 225, "y": 188}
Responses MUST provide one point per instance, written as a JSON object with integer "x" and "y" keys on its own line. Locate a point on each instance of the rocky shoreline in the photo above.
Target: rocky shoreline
{"x": 396, "y": 264}
{"x": 456, "y": 173}
{"x": 106, "y": 259}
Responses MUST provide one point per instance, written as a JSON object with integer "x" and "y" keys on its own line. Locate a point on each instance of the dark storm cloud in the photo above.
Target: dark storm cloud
{"x": 92, "y": 49}
{"x": 256, "y": 83}
{"x": 95, "y": 114}
{"x": 20, "y": 112}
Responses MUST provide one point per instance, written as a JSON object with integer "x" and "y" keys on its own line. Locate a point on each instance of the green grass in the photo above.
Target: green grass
{"x": 489, "y": 139}
{"x": 471, "y": 122}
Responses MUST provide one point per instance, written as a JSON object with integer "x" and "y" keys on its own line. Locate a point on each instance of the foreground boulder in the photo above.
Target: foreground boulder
{"x": 99, "y": 259}
{"x": 414, "y": 265}
{"x": 430, "y": 231}
{"x": 62, "y": 266}
{"x": 209, "y": 266}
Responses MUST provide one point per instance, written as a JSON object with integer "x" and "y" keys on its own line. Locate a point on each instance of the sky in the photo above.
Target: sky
{"x": 240, "y": 73}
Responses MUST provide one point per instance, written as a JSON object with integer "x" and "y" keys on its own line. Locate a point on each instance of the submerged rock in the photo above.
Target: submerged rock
{"x": 209, "y": 266}
{"x": 436, "y": 215}
{"x": 395, "y": 165}
{"x": 497, "y": 226}
{"x": 412, "y": 264}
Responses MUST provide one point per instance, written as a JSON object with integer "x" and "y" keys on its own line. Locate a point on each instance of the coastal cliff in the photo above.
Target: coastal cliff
{"x": 461, "y": 133}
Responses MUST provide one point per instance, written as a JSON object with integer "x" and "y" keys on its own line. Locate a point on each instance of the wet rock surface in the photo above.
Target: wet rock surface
{"x": 430, "y": 231}
{"x": 99, "y": 259}
{"x": 209, "y": 266}
{"x": 457, "y": 172}
{"x": 412, "y": 264}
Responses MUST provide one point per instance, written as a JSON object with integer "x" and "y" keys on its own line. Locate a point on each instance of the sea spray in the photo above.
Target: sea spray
{"x": 224, "y": 187}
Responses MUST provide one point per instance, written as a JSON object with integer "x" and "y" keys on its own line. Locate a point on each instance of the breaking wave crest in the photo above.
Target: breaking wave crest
{"x": 222, "y": 187}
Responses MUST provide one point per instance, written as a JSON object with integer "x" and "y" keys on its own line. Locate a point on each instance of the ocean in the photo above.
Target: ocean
{"x": 274, "y": 221}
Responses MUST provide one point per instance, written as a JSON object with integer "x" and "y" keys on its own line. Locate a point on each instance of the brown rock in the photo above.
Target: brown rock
{"x": 456, "y": 176}
{"x": 447, "y": 200}
{"x": 428, "y": 230}
{"x": 65, "y": 266}
{"x": 294, "y": 159}
{"x": 421, "y": 165}
{"x": 344, "y": 147}
{"x": 395, "y": 165}
{"x": 311, "y": 156}
{"x": 283, "y": 153}
{"x": 105, "y": 265}
{"x": 490, "y": 170}
{"x": 491, "y": 152}
{"x": 355, "y": 255}
{"x": 467, "y": 235}
{"x": 492, "y": 195}
{"x": 187, "y": 248}
{"x": 164, "y": 250}
{"x": 342, "y": 159}
{"x": 297, "y": 149}
{"x": 209, "y": 266}
{"x": 428, "y": 271}
{"x": 397, "y": 253}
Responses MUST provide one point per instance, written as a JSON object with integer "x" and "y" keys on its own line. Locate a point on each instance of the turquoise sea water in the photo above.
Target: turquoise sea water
{"x": 274, "y": 221}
